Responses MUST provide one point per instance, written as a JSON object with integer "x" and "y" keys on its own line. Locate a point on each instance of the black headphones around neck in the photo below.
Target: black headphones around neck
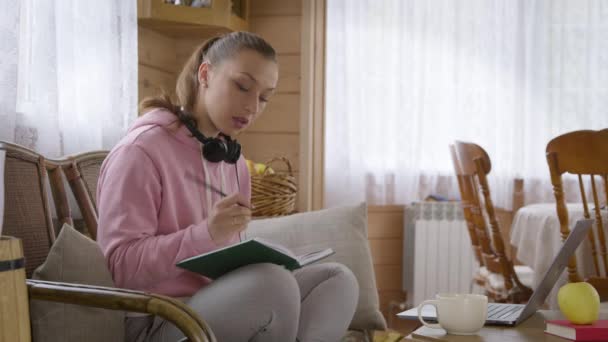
{"x": 215, "y": 150}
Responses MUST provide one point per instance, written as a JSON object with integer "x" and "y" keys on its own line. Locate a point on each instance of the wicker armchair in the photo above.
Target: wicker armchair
{"x": 27, "y": 216}
{"x": 82, "y": 172}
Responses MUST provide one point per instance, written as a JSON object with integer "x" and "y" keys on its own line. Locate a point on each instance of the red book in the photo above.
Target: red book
{"x": 597, "y": 331}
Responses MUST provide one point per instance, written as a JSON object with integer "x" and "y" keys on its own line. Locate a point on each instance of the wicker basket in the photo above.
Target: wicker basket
{"x": 274, "y": 194}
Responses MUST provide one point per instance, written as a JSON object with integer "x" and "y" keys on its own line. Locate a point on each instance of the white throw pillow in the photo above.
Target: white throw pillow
{"x": 343, "y": 229}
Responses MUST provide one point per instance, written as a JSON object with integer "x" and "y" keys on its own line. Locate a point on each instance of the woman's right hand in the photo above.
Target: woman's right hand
{"x": 228, "y": 217}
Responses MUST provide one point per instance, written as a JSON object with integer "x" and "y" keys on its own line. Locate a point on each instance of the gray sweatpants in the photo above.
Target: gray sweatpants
{"x": 265, "y": 302}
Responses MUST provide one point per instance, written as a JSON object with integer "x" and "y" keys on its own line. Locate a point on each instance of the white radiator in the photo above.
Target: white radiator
{"x": 437, "y": 251}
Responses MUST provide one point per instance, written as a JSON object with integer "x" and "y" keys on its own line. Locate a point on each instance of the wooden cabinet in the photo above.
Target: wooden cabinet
{"x": 184, "y": 21}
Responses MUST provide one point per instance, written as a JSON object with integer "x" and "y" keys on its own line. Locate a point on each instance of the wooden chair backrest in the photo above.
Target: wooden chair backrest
{"x": 466, "y": 207}
{"x": 582, "y": 153}
{"x": 466, "y": 155}
{"x": 472, "y": 165}
{"x": 82, "y": 171}
{"x": 27, "y": 213}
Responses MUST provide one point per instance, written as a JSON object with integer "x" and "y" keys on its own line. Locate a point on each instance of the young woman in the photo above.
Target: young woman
{"x": 154, "y": 209}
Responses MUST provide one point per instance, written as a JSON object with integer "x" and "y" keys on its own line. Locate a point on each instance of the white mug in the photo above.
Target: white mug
{"x": 458, "y": 314}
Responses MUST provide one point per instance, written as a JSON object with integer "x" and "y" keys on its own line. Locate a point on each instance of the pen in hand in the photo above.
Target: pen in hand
{"x": 214, "y": 189}
{"x": 221, "y": 193}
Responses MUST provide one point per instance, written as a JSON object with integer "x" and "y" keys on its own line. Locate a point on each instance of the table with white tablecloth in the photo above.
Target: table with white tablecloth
{"x": 2, "y": 158}
{"x": 536, "y": 235}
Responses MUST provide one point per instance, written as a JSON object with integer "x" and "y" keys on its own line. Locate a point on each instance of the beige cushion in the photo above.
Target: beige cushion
{"x": 345, "y": 231}
{"x": 74, "y": 258}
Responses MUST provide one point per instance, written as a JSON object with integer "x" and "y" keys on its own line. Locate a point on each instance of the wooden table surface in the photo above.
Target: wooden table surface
{"x": 530, "y": 330}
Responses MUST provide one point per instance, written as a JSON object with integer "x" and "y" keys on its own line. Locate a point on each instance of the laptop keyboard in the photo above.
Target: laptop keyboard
{"x": 503, "y": 311}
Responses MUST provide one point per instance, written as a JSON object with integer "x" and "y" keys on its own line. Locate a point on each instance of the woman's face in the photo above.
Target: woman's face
{"x": 236, "y": 91}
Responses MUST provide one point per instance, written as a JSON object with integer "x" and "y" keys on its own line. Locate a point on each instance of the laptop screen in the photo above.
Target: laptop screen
{"x": 557, "y": 267}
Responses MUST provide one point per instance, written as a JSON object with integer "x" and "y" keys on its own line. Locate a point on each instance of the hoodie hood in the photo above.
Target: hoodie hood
{"x": 161, "y": 117}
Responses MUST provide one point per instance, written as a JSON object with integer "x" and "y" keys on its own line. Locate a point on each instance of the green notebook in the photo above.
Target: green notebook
{"x": 221, "y": 261}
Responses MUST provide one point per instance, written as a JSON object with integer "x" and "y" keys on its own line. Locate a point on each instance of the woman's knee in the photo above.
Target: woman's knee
{"x": 278, "y": 297}
{"x": 274, "y": 275}
{"x": 264, "y": 297}
{"x": 275, "y": 286}
{"x": 343, "y": 275}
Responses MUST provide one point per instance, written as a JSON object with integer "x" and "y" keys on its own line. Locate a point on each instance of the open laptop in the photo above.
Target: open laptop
{"x": 513, "y": 314}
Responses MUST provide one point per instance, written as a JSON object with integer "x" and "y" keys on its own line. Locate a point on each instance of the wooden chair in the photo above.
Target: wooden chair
{"x": 583, "y": 153}
{"x": 27, "y": 216}
{"x": 497, "y": 273}
{"x": 480, "y": 275}
{"x": 82, "y": 172}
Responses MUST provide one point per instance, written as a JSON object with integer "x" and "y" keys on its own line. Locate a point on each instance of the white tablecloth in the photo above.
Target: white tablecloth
{"x": 535, "y": 233}
{"x": 2, "y": 157}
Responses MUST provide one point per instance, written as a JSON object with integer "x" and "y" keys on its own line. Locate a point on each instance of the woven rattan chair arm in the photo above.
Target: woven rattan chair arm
{"x": 168, "y": 308}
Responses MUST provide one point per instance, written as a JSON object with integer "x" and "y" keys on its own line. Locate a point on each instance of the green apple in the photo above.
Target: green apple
{"x": 261, "y": 169}
{"x": 579, "y": 302}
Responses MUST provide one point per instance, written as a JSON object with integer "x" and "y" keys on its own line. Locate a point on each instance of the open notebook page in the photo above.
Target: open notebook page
{"x": 277, "y": 247}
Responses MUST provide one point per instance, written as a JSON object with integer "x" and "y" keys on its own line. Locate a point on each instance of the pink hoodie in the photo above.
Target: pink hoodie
{"x": 153, "y": 207}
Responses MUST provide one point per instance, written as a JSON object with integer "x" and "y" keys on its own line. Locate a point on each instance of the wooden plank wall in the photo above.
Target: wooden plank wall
{"x": 385, "y": 231}
{"x": 157, "y": 63}
{"x": 277, "y": 130}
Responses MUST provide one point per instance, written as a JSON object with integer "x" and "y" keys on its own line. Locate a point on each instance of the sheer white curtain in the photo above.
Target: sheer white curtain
{"x": 68, "y": 73}
{"x": 407, "y": 78}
